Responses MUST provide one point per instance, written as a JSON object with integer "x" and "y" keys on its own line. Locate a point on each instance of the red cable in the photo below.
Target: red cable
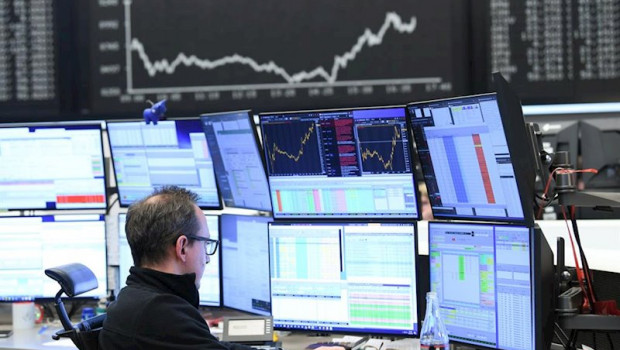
{"x": 586, "y": 301}
{"x": 586, "y": 267}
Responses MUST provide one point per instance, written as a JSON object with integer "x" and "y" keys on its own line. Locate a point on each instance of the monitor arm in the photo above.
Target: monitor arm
{"x": 564, "y": 184}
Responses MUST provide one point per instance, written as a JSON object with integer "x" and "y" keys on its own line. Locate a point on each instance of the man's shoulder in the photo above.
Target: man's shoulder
{"x": 140, "y": 312}
{"x": 143, "y": 299}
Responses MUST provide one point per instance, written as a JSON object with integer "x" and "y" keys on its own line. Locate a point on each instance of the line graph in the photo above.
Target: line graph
{"x": 367, "y": 39}
{"x": 381, "y": 149}
{"x": 292, "y": 148}
{"x": 210, "y": 55}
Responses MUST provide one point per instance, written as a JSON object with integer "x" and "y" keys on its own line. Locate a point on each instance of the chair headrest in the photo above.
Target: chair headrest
{"x": 74, "y": 279}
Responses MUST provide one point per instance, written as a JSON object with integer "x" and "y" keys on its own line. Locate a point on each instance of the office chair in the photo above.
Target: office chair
{"x": 75, "y": 279}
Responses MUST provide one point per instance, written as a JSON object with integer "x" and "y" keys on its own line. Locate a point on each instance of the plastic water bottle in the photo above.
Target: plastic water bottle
{"x": 434, "y": 334}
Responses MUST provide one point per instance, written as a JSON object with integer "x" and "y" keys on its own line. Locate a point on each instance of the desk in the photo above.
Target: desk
{"x": 35, "y": 339}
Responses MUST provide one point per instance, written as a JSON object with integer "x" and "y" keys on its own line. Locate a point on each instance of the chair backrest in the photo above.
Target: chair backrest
{"x": 75, "y": 279}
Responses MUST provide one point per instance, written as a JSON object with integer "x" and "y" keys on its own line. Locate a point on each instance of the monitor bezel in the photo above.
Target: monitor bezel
{"x": 117, "y": 189}
{"x": 347, "y": 217}
{"x": 96, "y": 124}
{"x": 417, "y": 291}
{"x": 46, "y": 299}
{"x": 259, "y": 149}
{"x": 528, "y": 215}
{"x": 268, "y": 220}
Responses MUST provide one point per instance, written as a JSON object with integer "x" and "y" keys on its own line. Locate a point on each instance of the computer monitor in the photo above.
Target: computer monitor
{"x": 173, "y": 152}
{"x": 494, "y": 284}
{"x": 237, "y": 159}
{"x": 245, "y": 263}
{"x": 344, "y": 277}
{"x": 52, "y": 167}
{"x": 600, "y": 141}
{"x": 29, "y": 245}
{"x": 340, "y": 163}
{"x": 560, "y": 133}
{"x": 468, "y": 164}
{"x": 209, "y": 284}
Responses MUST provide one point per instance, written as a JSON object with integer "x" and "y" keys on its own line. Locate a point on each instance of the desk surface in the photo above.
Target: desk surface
{"x": 41, "y": 339}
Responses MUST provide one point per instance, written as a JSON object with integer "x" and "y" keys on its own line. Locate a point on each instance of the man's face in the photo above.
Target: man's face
{"x": 198, "y": 257}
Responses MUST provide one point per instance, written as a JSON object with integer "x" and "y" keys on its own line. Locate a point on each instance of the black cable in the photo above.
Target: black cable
{"x": 561, "y": 335}
{"x": 573, "y": 339}
{"x": 610, "y": 342}
{"x": 107, "y": 211}
{"x": 584, "y": 260}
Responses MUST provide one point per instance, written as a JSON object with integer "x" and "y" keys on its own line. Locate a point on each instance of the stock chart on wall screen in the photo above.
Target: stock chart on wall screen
{"x": 207, "y": 55}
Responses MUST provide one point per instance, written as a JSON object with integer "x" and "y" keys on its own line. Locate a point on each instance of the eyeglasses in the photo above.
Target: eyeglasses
{"x": 210, "y": 244}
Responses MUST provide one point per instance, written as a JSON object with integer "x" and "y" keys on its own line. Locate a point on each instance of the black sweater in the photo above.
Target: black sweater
{"x": 158, "y": 311}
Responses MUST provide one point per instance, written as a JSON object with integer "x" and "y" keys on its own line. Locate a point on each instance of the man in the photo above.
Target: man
{"x": 158, "y": 309}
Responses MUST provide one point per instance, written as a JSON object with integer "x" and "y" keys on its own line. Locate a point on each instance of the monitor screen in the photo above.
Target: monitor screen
{"x": 482, "y": 274}
{"x": 344, "y": 277}
{"x": 339, "y": 164}
{"x": 209, "y": 284}
{"x": 465, "y": 158}
{"x": 29, "y": 245}
{"x": 245, "y": 263}
{"x": 237, "y": 161}
{"x": 52, "y": 167}
{"x": 173, "y": 152}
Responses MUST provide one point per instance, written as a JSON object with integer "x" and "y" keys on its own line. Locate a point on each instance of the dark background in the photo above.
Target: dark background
{"x": 72, "y": 60}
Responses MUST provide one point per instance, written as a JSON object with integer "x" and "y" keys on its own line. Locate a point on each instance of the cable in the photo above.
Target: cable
{"x": 107, "y": 211}
{"x": 587, "y": 302}
{"x": 584, "y": 260}
{"x": 545, "y": 192}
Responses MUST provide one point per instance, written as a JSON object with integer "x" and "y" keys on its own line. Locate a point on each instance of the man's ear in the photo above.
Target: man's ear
{"x": 180, "y": 248}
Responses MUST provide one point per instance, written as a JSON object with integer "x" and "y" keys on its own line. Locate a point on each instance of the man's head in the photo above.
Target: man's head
{"x": 159, "y": 230}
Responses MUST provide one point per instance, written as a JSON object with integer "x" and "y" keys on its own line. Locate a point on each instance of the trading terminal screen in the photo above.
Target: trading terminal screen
{"x": 344, "y": 277}
{"x": 237, "y": 161}
{"x": 52, "y": 167}
{"x": 209, "y": 291}
{"x": 29, "y": 245}
{"x": 481, "y": 274}
{"x": 339, "y": 164}
{"x": 245, "y": 262}
{"x": 465, "y": 159}
{"x": 173, "y": 152}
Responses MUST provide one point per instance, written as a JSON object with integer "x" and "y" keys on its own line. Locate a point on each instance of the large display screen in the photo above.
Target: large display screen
{"x": 340, "y": 163}
{"x": 307, "y": 53}
{"x": 237, "y": 161}
{"x": 483, "y": 277}
{"x": 465, "y": 158}
{"x": 245, "y": 263}
{"x": 52, "y": 167}
{"x": 344, "y": 277}
{"x": 29, "y": 245}
{"x": 173, "y": 152}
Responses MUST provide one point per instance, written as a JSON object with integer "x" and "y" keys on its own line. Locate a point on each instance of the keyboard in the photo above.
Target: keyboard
{"x": 346, "y": 345}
